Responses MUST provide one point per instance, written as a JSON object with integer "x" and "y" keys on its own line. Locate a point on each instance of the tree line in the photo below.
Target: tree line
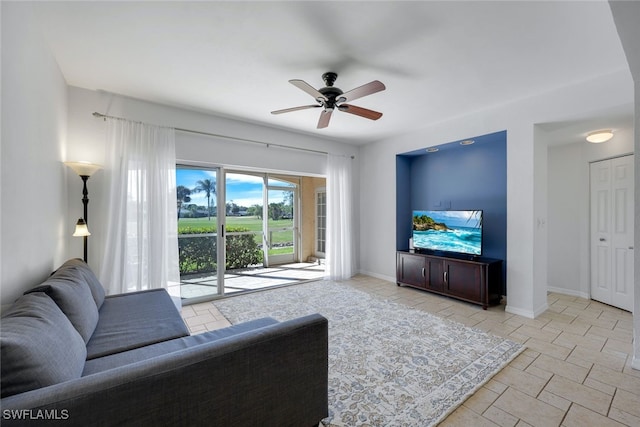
{"x": 276, "y": 211}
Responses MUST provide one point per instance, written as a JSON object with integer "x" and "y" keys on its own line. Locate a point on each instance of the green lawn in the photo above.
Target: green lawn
{"x": 252, "y": 223}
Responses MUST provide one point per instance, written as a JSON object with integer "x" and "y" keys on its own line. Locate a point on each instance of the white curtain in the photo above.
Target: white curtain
{"x": 340, "y": 244}
{"x": 141, "y": 250}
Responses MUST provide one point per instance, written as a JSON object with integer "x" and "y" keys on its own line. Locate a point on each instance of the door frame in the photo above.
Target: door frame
{"x": 271, "y": 260}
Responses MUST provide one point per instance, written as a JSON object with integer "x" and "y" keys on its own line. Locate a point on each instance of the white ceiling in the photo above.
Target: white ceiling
{"x": 437, "y": 59}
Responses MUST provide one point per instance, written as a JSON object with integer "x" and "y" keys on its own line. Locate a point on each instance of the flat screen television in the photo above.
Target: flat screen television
{"x": 457, "y": 232}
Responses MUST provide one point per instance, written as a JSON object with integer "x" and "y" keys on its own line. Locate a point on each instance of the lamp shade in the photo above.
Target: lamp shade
{"x": 81, "y": 229}
{"x": 84, "y": 168}
{"x": 600, "y": 136}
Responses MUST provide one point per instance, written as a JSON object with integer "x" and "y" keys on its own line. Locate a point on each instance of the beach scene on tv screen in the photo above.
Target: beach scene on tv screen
{"x": 449, "y": 231}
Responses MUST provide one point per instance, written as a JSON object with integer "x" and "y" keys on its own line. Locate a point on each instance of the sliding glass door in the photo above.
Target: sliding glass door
{"x": 239, "y": 231}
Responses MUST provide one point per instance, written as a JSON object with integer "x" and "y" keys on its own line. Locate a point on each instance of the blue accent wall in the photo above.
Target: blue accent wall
{"x": 457, "y": 177}
{"x": 403, "y": 202}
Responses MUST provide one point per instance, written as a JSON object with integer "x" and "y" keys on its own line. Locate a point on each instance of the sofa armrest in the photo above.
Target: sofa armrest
{"x": 276, "y": 375}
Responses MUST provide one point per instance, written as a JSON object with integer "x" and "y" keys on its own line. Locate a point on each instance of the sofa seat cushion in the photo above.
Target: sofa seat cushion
{"x": 133, "y": 320}
{"x": 100, "y": 364}
{"x": 39, "y": 346}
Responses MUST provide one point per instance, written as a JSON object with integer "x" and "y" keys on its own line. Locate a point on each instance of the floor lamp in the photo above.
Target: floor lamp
{"x": 84, "y": 170}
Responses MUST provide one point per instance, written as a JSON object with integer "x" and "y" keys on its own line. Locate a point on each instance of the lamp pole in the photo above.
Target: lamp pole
{"x": 85, "y": 202}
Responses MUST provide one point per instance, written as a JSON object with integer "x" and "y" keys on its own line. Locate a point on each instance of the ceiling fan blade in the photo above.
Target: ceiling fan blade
{"x": 359, "y": 111}
{"x": 359, "y": 92}
{"x": 325, "y": 116}
{"x": 303, "y": 107}
{"x": 301, "y": 84}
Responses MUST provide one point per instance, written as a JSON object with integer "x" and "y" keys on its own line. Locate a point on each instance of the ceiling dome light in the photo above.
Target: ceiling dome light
{"x": 599, "y": 136}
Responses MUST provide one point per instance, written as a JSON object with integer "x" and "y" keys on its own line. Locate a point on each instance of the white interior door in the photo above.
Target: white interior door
{"x": 612, "y": 231}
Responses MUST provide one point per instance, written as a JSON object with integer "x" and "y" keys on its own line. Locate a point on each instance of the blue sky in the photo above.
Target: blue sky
{"x": 244, "y": 190}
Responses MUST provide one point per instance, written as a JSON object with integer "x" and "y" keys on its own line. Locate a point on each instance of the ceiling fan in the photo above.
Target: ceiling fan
{"x": 330, "y": 98}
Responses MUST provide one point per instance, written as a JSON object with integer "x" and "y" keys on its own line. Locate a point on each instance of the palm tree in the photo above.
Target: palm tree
{"x": 209, "y": 187}
{"x": 183, "y": 194}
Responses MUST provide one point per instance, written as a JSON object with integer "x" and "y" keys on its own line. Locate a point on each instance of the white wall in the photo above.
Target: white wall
{"x": 87, "y": 136}
{"x": 636, "y": 241}
{"x": 526, "y": 287}
{"x": 627, "y": 16}
{"x": 568, "y": 220}
{"x": 34, "y": 225}
{"x": 540, "y": 236}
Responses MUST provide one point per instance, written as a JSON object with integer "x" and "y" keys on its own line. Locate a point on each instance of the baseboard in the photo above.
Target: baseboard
{"x": 530, "y": 314}
{"x": 544, "y": 307}
{"x": 378, "y": 276}
{"x": 519, "y": 311}
{"x": 569, "y": 292}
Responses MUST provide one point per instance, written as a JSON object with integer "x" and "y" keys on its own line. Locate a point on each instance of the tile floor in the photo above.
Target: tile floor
{"x": 575, "y": 371}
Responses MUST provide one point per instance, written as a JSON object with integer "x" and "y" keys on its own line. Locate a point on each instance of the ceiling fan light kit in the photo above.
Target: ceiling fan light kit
{"x": 331, "y": 98}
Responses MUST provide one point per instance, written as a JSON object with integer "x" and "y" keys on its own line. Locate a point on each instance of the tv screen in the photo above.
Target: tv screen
{"x": 448, "y": 231}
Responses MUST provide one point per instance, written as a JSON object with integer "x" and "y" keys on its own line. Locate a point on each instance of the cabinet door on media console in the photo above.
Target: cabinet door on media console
{"x": 435, "y": 274}
{"x": 464, "y": 280}
{"x": 411, "y": 269}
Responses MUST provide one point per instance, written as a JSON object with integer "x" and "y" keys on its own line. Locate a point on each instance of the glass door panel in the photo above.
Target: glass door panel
{"x": 244, "y": 200}
{"x": 282, "y": 224}
{"x": 198, "y": 234}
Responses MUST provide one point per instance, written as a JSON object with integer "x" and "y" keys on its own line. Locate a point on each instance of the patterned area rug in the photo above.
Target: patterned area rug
{"x": 389, "y": 364}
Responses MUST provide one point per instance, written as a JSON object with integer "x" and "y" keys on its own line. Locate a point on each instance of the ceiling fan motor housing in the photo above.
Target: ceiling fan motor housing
{"x": 330, "y": 92}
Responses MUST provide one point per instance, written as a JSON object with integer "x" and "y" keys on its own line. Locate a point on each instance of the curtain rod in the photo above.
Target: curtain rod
{"x": 234, "y": 138}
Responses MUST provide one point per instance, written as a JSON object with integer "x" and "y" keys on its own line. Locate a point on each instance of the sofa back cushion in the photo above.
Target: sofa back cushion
{"x": 77, "y": 269}
{"x": 75, "y": 300}
{"x": 78, "y": 293}
{"x": 38, "y": 345}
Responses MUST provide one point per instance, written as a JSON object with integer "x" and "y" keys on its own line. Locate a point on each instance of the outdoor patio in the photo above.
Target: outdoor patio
{"x": 250, "y": 279}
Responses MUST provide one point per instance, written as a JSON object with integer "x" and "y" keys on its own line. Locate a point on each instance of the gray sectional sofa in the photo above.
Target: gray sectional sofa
{"x": 73, "y": 356}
